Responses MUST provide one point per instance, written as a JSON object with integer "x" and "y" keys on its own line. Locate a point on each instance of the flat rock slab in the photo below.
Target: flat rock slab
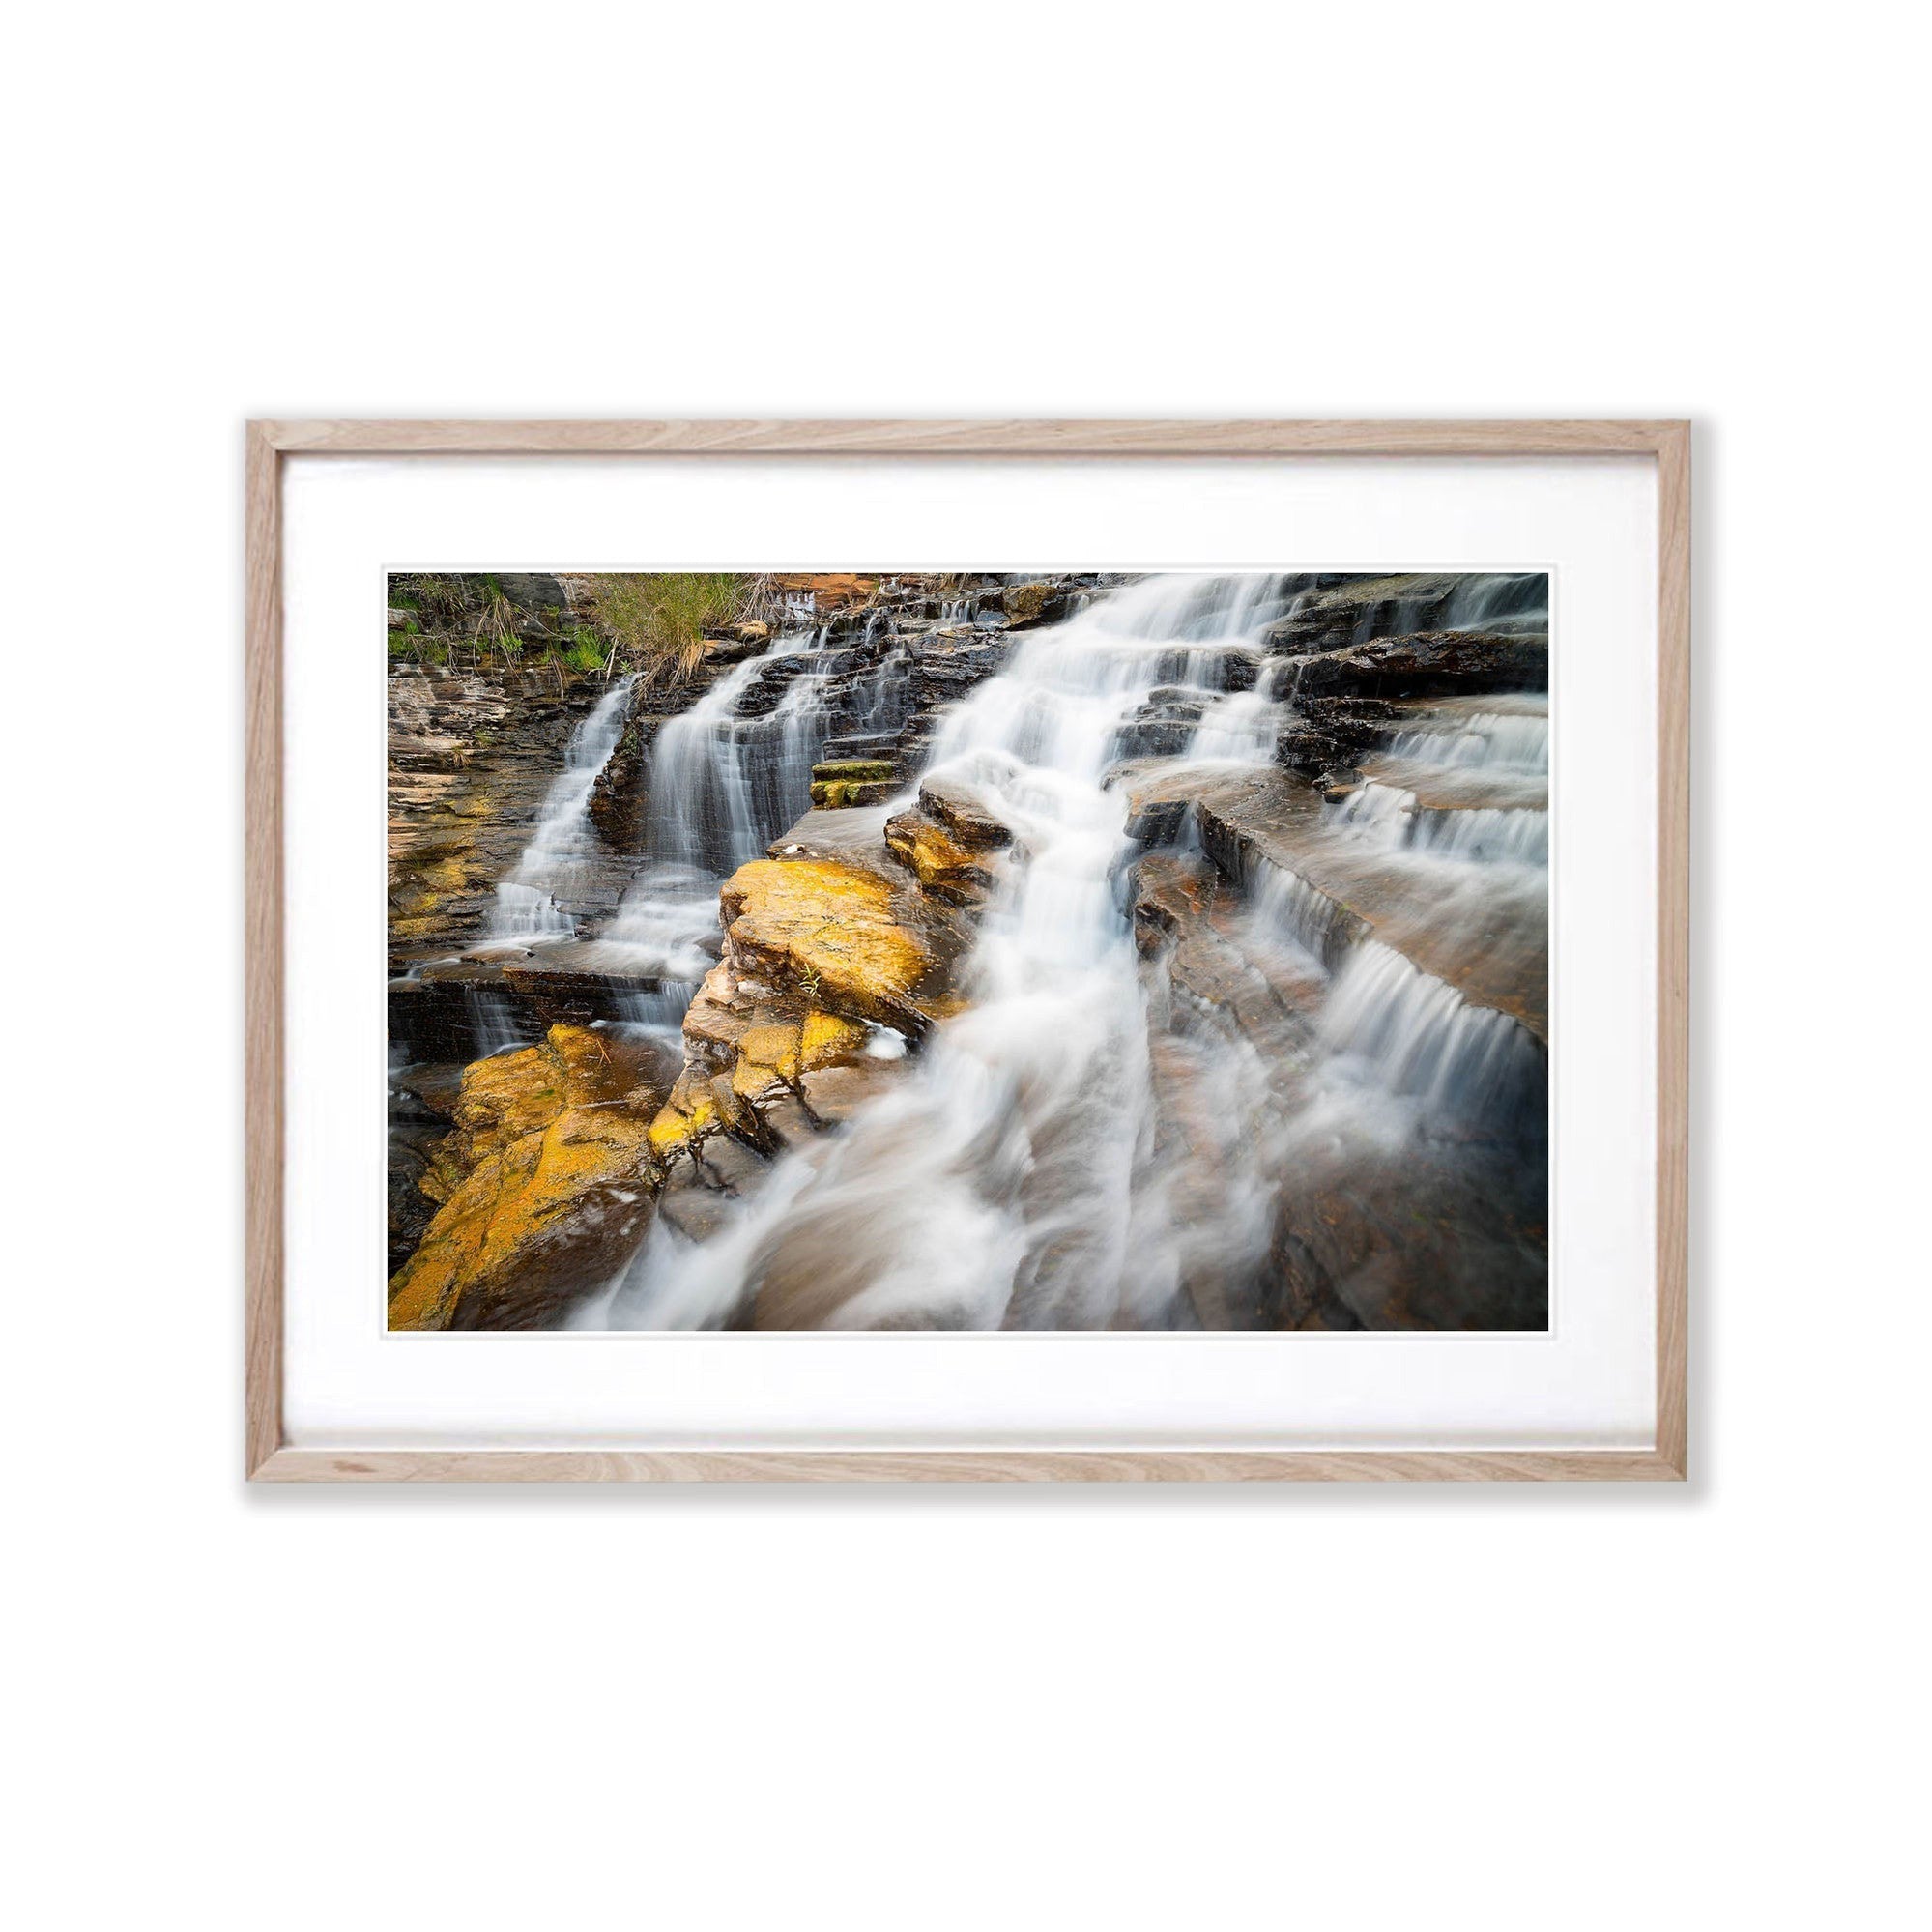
{"x": 856, "y": 834}
{"x": 1446, "y": 788}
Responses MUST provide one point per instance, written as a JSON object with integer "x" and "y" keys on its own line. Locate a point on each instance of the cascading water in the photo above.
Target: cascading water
{"x": 726, "y": 780}
{"x": 1424, "y": 810}
{"x": 1510, "y": 741}
{"x": 1415, "y": 1037}
{"x": 532, "y": 903}
{"x": 1504, "y": 604}
{"x": 1013, "y": 1179}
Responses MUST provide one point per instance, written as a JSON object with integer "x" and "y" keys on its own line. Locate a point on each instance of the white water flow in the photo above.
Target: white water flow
{"x": 1015, "y": 1178}
{"x": 1454, "y": 788}
{"x": 723, "y": 785}
{"x": 531, "y": 902}
{"x": 1416, "y": 1038}
{"x": 1490, "y": 740}
{"x": 1472, "y": 872}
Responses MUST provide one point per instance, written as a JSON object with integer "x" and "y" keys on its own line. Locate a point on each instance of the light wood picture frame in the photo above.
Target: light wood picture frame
{"x": 269, "y": 1456}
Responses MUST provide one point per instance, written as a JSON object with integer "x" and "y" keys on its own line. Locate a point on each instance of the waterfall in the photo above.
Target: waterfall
{"x": 1390, "y": 817}
{"x": 1417, "y": 1037}
{"x": 1382, "y": 813}
{"x": 1519, "y": 603}
{"x": 554, "y": 861}
{"x": 1287, "y": 904}
{"x": 1240, "y": 728}
{"x": 724, "y": 781}
{"x": 1012, "y": 1178}
{"x": 1516, "y": 741}
{"x": 493, "y": 1026}
{"x": 1064, "y": 1152}
{"x": 1489, "y": 834}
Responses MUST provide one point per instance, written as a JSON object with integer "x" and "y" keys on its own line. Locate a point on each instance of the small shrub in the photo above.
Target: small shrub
{"x": 583, "y": 653}
{"x": 659, "y": 620}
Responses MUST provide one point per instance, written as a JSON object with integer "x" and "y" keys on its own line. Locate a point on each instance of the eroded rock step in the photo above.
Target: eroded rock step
{"x": 1336, "y": 895}
{"x": 434, "y": 1013}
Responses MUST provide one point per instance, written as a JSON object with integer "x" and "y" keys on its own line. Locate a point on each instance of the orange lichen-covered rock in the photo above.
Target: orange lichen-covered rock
{"x": 828, "y": 1040}
{"x": 544, "y": 1220}
{"x": 545, "y": 1184}
{"x": 828, "y": 932}
{"x": 782, "y": 1053}
{"x": 830, "y": 590}
{"x": 688, "y": 1114}
{"x": 509, "y": 1095}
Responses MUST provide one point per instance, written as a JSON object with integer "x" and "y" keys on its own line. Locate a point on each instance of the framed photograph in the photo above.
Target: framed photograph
{"x": 968, "y": 951}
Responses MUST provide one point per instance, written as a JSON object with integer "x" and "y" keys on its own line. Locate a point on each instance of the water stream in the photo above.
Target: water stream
{"x": 532, "y": 901}
{"x": 724, "y": 781}
{"x": 1017, "y": 1178}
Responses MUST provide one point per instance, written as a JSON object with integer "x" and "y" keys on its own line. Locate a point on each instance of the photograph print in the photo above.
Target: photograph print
{"x": 1067, "y": 950}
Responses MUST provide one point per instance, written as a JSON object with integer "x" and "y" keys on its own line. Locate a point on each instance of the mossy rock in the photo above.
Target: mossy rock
{"x": 853, "y": 771}
{"x": 839, "y": 795}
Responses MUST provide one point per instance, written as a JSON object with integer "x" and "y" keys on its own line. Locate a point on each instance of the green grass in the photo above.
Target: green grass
{"x": 496, "y": 623}
{"x": 656, "y": 621}
{"x": 583, "y": 652}
{"x": 659, "y": 621}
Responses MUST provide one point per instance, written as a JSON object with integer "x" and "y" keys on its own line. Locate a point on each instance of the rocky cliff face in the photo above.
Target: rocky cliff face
{"x": 471, "y": 756}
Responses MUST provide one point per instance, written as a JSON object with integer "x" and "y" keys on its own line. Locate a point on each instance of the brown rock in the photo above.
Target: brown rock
{"x": 945, "y": 867}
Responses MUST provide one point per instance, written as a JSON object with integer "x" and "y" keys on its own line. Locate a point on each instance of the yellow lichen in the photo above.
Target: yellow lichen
{"x": 828, "y": 929}
{"x": 774, "y": 1047}
{"x": 541, "y": 1220}
{"x": 510, "y": 1095}
{"x": 691, "y": 1111}
{"x": 940, "y": 860}
{"x": 827, "y": 1038}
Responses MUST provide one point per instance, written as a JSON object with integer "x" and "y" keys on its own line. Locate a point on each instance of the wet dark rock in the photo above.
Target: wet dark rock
{"x": 947, "y": 664}
{"x": 1429, "y": 664}
{"x": 1355, "y": 610}
{"x": 740, "y": 641}
{"x": 534, "y": 590}
{"x": 1332, "y": 734}
{"x": 413, "y": 1131}
{"x": 878, "y": 745}
{"x": 1430, "y": 1239}
{"x": 1160, "y": 821}
{"x": 445, "y": 1010}
{"x": 1164, "y": 727}
{"x": 964, "y": 813}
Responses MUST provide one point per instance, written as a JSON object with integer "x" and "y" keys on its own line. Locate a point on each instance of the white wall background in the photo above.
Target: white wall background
{"x": 916, "y": 1710}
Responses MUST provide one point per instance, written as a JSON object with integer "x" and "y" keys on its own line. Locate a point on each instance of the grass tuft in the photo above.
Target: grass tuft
{"x": 659, "y": 621}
